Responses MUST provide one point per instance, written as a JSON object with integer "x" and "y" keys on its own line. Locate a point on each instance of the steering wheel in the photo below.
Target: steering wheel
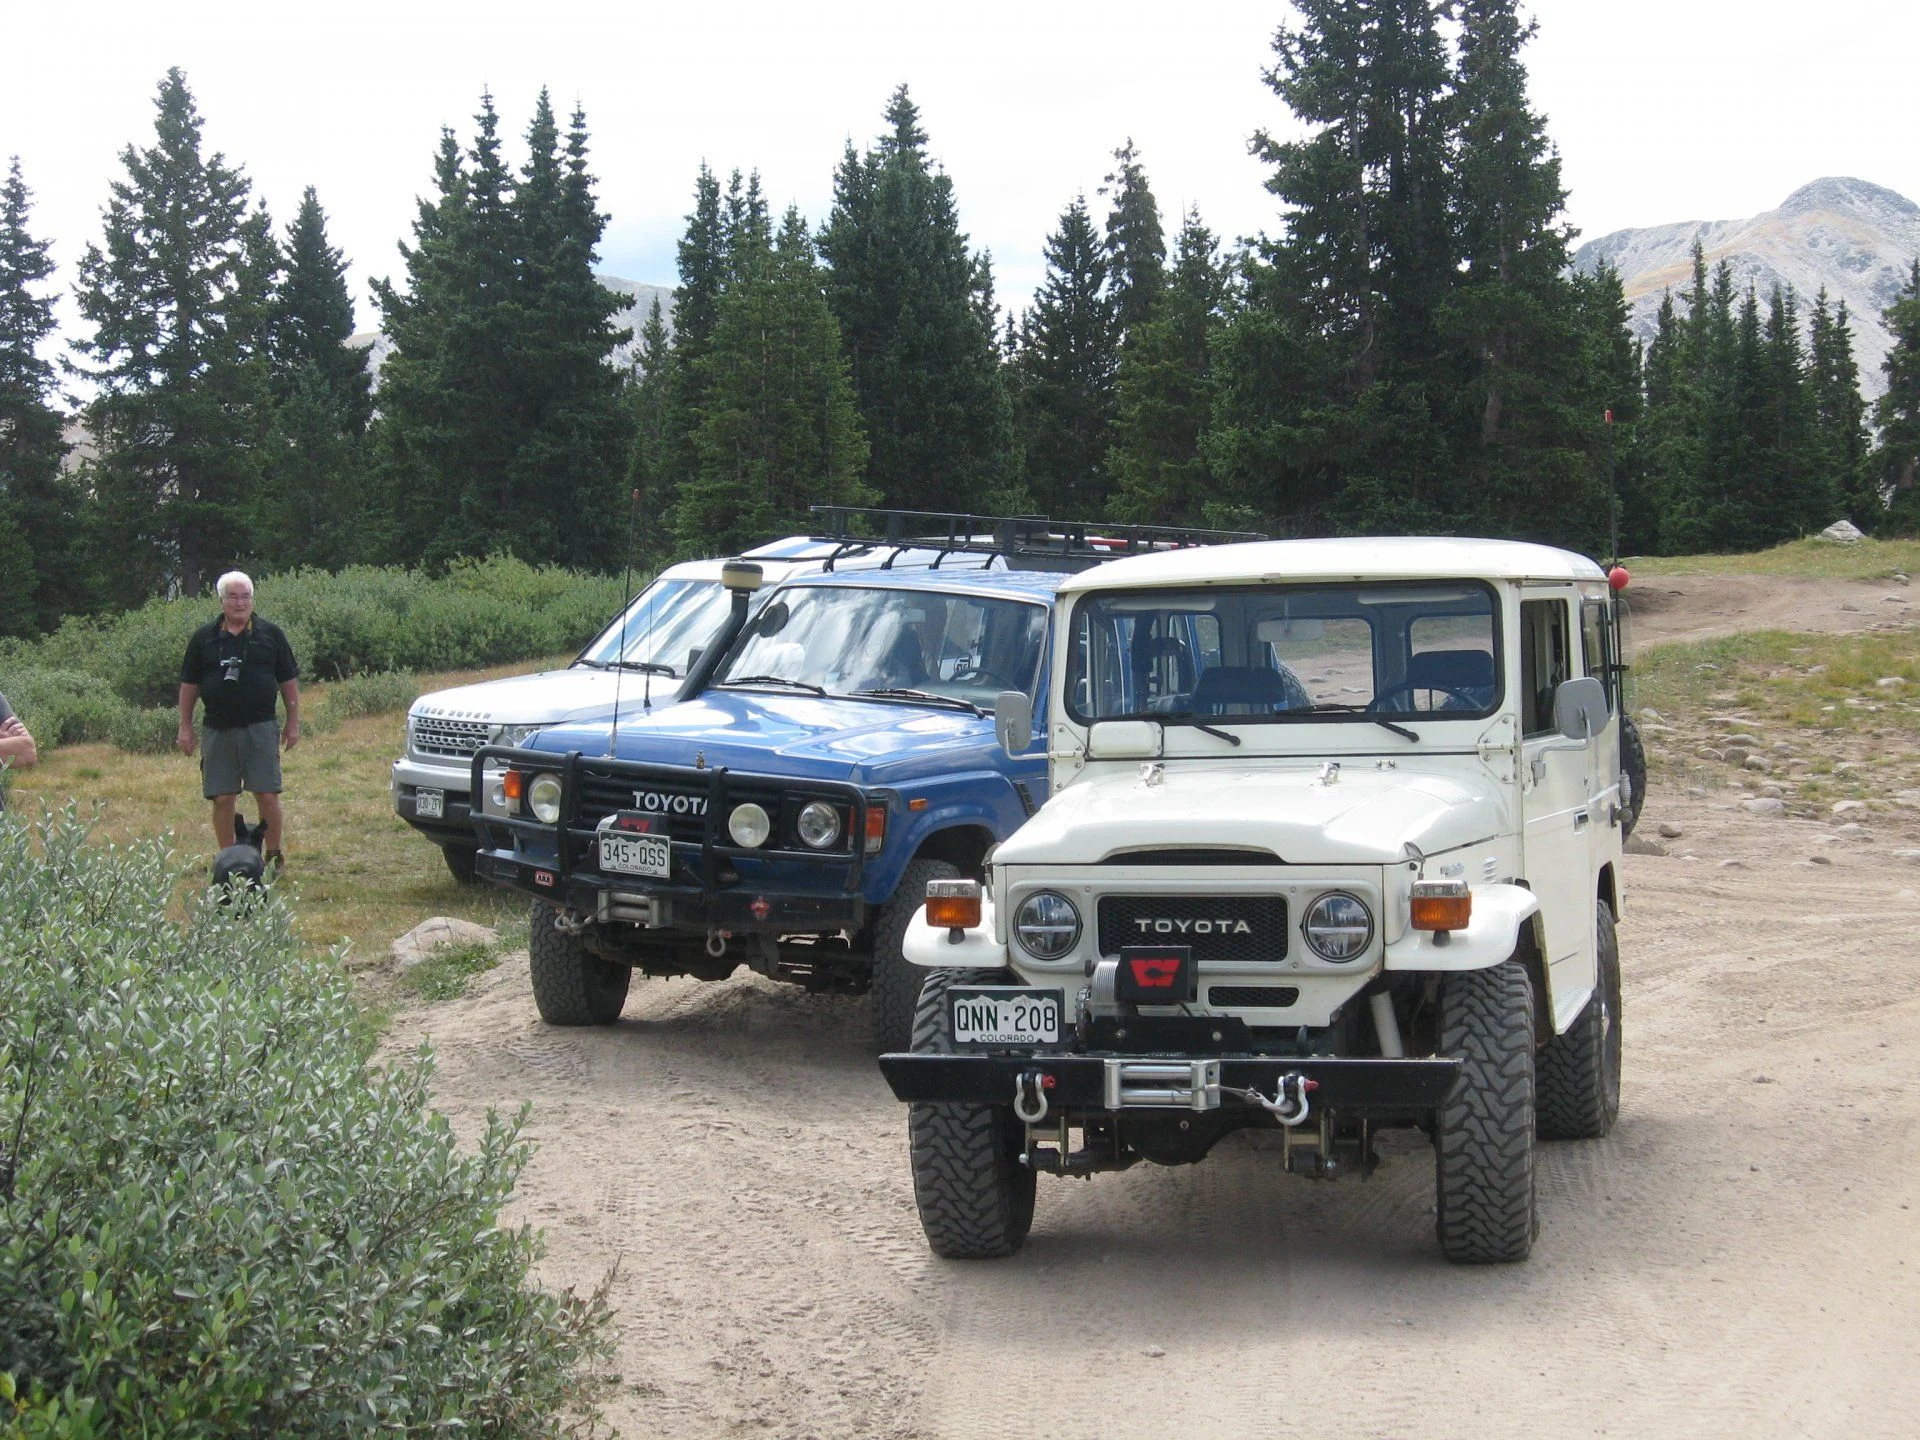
{"x": 1456, "y": 699}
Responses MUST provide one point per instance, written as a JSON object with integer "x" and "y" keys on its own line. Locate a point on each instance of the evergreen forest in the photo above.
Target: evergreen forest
{"x": 1407, "y": 350}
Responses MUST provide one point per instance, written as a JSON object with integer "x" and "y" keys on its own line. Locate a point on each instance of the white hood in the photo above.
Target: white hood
{"x": 546, "y": 698}
{"x": 1366, "y": 817}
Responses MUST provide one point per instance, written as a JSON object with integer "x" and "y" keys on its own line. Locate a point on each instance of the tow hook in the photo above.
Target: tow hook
{"x": 1289, "y": 1102}
{"x": 568, "y": 923}
{"x": 1030, "y": 1095}
{"x": 716, "y": 943}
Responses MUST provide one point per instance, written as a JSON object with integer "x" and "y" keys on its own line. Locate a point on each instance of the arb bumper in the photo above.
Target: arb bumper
{"x": 1376, "y": 1089}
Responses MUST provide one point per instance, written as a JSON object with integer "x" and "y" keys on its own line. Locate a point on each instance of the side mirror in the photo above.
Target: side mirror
{"x": 1013, "y": 720}
{"x": 1580, "y": 708}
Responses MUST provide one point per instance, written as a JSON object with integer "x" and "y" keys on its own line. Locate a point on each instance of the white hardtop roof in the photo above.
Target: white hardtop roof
{"x": 1398, "y": 557}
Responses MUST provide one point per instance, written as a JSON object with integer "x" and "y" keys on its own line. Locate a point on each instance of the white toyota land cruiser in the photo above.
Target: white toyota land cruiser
{"x": 1332, "y": 845}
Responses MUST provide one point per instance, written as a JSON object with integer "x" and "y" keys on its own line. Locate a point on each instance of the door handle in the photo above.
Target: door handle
{"x": 1580, "y": 818}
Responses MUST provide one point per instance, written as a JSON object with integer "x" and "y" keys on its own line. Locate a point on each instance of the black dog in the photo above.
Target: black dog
{"x": 242, "y": 865}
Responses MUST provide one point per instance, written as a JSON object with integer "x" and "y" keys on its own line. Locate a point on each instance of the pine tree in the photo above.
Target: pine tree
{"x": 779, "y": 431}
{"x": 907, "y": 295}
{"x": 316, "y": 482}
{"x": 502, "y": 422}
{"x": 177, "y": 299}
{"x": 1840, "y": 414}
{"x": 1164, "y": 391}
{"x": 704, "y": 263}
{"x": 1136, "y": 245}
{"x": 1896, "y": 414}
{"x": 1068, "y": 360}
{"x": 39, "y": 572}
{"x": 1797, "y": 495}
{"x": 649, "y": 473}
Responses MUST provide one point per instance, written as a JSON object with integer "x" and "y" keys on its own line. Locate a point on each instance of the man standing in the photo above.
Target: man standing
{"x": 237, "y": 663}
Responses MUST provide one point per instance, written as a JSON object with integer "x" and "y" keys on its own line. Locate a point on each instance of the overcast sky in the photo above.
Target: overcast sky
{"x": 1663, "y": 110}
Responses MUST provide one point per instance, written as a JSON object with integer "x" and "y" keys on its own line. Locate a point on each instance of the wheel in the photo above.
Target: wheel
{"x": 1579, "y": 1072}
{"x": 896, "y": 980}
{"x": 572, "y": 986}
{"x": 1633, "y": 764}
{"x": 460, "y": 860}
{"x": 974, "y": 1196}
{"x": 1483, "y": 1142}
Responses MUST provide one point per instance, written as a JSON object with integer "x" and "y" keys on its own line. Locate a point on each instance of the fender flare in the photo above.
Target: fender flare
{"x": 1492, "y": 934}
{"x": 936, "y": 950}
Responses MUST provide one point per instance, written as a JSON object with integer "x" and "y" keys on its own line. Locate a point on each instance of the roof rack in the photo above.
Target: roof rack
{"x": 1024, "y": 542}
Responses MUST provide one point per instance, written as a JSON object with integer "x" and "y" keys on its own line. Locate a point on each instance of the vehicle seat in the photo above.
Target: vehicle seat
{"x": 1246, "y": 690}
{"x": 1466, "y": 676}
{"x": 904, "y": 667}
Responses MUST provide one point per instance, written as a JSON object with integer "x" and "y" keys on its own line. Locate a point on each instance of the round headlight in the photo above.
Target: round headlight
{"x": 1046, "y": 925}
{"x": 543, "y": 798}
{"x": 749, "y": 826}
{"x": 818, "y": 824}
{"x": 1338, "y": 927}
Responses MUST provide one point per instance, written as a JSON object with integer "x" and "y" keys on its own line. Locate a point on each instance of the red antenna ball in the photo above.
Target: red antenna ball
{"x": 1617, "y": 577}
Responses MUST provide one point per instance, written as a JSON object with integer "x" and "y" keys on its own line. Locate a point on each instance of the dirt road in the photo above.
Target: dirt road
{"x": 1704, "y": 607}
{"x": 1739, "y": 1258}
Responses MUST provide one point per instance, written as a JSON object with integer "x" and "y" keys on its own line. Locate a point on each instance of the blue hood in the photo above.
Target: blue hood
{"x": 862, "y": 741}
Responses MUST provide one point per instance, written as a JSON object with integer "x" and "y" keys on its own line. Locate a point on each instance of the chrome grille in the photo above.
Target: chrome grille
{"x": 1210, "y": 925}
{"x": 456, "y": 738}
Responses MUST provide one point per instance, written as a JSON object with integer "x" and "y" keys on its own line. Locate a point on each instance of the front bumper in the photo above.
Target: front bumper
{"x": 1361, "y": 1089}
{"x": 715, "y": 885}
{"x": 411, "y": 776}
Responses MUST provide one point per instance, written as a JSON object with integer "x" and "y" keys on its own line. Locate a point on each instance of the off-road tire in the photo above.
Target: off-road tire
{"x": 974, "y": 1196}
{"x": 571, "y": 985}
{"x": 896, "y": 980}
{"x": 1633, "y": 761}
{"x": 1484, "y": 1138}
{"x": 460, "y": 861}
{"x": 1579, "y": 1072}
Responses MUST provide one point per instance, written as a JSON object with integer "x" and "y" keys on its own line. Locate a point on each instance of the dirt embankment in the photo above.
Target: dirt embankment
{"x": 1670, "y": 608}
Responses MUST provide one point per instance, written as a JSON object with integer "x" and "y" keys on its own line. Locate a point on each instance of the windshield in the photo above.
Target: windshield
{"x": 845, "y": 640}
{"x": 1279, "y": 652}
{"x": 667, "y": 624}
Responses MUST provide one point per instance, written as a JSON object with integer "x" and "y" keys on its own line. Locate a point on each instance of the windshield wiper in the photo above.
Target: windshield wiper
{"x": 1385, "y": 724}
{"x": 895, "y": 692}
{"x": 647, "y": 667}
{"x": 1187, "y": 717}
{"x": 773, "y": 680}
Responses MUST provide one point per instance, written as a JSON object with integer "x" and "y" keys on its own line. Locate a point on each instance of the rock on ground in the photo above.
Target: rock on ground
{"x": 442, "y": 932}
{"x": 1843, "y": 532}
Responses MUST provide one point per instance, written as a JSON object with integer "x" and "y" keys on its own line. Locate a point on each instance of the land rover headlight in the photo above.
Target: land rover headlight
{"x": 1338, "y": 927}
{"x": 543, "y": 798}
{"x": 1046, "y": 925}
{"x": 512, "y": 734}
{"x": 818, "y": 824}
{"x": 749, "y": 826}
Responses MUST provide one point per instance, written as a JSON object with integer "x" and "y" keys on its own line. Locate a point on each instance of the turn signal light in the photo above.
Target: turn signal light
{"x": 953, "y": 904}
{"x": 876, "y": 828}
{"x": 513, "y": 784}
{"x": 1441, "y": 904}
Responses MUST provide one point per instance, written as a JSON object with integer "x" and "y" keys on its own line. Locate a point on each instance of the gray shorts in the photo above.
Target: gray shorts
{"x": 247, "y": 758}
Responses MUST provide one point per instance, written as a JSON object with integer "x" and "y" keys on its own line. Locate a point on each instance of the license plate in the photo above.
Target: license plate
{"x": 430, "y": 804}
{"x": 636, "y": 855}
{"x": 1005, "y": 1015}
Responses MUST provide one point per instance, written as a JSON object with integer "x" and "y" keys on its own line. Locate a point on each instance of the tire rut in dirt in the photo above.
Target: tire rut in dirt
{"x": 1578, "y": 1073}
{"x": 896, "y": 980}
{"x": 1484, "y": 1145}
{"x": 571, "y": 986}
{"x": 974, "y": 1196}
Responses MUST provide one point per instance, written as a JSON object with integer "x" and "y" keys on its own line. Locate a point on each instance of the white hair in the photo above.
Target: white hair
{"x": 232, "y": 577}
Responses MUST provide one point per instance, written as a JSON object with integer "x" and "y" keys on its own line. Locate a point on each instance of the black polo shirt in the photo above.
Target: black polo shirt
{"x": 239, "y": 675}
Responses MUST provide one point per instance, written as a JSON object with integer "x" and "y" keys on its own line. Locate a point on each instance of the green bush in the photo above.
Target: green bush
{"x": 372, "y": 694}
{"x": 145, "y": 731}
{"x": 215, "y": 1219}
{"x": 360, "y": 621}
{"x": 61, "y": 706}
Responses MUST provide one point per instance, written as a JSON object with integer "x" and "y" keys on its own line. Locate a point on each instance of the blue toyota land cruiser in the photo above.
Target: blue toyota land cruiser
{"x": 833, "y": 754}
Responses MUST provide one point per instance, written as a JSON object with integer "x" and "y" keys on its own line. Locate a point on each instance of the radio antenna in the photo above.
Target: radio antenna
{"x": 626, "y": 604}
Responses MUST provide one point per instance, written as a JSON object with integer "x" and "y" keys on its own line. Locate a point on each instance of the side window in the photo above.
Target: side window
{"x": 1545, "y": 660}
{"x": 1596, "y": 647}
